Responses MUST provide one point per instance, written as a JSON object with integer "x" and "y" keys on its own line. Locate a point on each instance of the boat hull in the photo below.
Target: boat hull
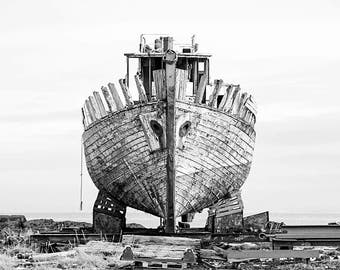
{"x": 126, "y": 156}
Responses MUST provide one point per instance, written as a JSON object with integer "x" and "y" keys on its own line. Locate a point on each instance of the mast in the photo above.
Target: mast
{"x": 170, "y": 59}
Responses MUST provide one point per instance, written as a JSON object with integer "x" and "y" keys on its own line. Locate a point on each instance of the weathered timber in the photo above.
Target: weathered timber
{"x": 85, "y": 121}
{"x": 115, "y": 96}
{"x": 141, "y": 90}
{"x": 161, "y": 240}
{"x": 100, "y": 104}
{"x": 91, "y": 110}
{"x": 181, "y": 84}
{"x": 201, "y": 88}
{"x": 159, "y": 77}
{"x": 266, "y": 254}
{"x": 109, "y": 101}
{"x": 170, "y": 82}
{"x": 213, "y": 96}
{"x": 256, "y": 222}
{"x": 126, "y": 93}
{"x": 221, "y": 165}
{"x": 108, "y": 214}
{"x": 94, "y": 107}
{"x": 87, "y": 114}
{"x": 225, "y": 97}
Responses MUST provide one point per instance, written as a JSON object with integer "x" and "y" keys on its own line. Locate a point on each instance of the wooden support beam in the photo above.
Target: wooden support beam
{"x": 126, "y": 93}
{"x": 170, "y": 82}
{"x": 141, "y": 90}
{"x": 213, "y": 96}
{"x": 109, "y": 101}
{"x": 100, "y": 104}
{"x": 201, "y": 88}
{"x": 115, "y": 96}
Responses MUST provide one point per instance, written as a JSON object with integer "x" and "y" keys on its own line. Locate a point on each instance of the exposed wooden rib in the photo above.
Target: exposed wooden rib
{"x": 100, "y": 104}
{"x": 94, "y": 107}
{"x": 141, "y": 90}
{"x": 85, "y": 123}
{"x": 231, "y": 101}
{"x": 181, "y": 83}
{"x": 225, "y": 97}
{"x": 115, "y": 96}
{"x": 236, "y": 103}
{"x": 243, "y": 100}
{"x": 92, "y": 110}
{"x": 87, "y": 114}
{"x": 213, "y": 96}
{"x": 159, "y": 78}
{"x": 126, "y": 93}
{"x": 109, "y": 101}
{"x": 201, "y": 88}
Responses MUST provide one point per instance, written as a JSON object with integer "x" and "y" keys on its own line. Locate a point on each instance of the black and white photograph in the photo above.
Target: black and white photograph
{"x": 170, "y": 134}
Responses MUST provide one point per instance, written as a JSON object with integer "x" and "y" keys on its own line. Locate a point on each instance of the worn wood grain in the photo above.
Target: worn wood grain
{"x": 109, "y": 101}
{"x": 100, "y": 104}
{"x": 115, "y": 96}
{"x": 126, "y": 93}
{"x": 141, "y": 90}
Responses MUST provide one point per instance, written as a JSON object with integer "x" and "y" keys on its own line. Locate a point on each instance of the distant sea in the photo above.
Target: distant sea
{"x": 147, "y": 220}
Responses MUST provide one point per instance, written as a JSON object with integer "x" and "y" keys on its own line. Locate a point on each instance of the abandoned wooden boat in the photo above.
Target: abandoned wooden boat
{"x": 174, "y": 151}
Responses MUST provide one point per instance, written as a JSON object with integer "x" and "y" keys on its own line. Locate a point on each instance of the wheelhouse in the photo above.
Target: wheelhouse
{"x": 151, "y": 59}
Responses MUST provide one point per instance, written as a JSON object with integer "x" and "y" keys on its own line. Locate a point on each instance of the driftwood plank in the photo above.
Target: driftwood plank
{"x": 213, "y": 96}
{"x": 126, "y": 93}
{"x": 100, "y": 104}
{"x": 141, "y": 90}
{"x": 109, "y": 101}
{"x": 115, "y": 96}
{"x": 201, "y": 88}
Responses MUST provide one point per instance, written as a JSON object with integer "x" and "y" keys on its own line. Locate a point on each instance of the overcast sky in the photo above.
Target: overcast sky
{"x": 53, "y": 54}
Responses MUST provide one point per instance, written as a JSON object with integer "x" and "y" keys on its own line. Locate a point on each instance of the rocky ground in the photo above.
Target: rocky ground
{"x": 16, "y": 251}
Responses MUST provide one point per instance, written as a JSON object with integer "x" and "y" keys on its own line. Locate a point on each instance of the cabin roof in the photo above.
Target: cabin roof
{"x": 162, "y": 54}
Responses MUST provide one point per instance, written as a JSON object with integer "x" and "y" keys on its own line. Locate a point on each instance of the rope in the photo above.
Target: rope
{"x": 81, "y": 175}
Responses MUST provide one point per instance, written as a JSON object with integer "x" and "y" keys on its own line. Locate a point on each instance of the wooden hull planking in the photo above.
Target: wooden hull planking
{"x": 126, "y": 154}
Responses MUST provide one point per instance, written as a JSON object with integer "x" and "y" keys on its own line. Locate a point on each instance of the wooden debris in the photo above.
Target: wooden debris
{"x": 161, "y": 240}
{"x": 126, "y": 93}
